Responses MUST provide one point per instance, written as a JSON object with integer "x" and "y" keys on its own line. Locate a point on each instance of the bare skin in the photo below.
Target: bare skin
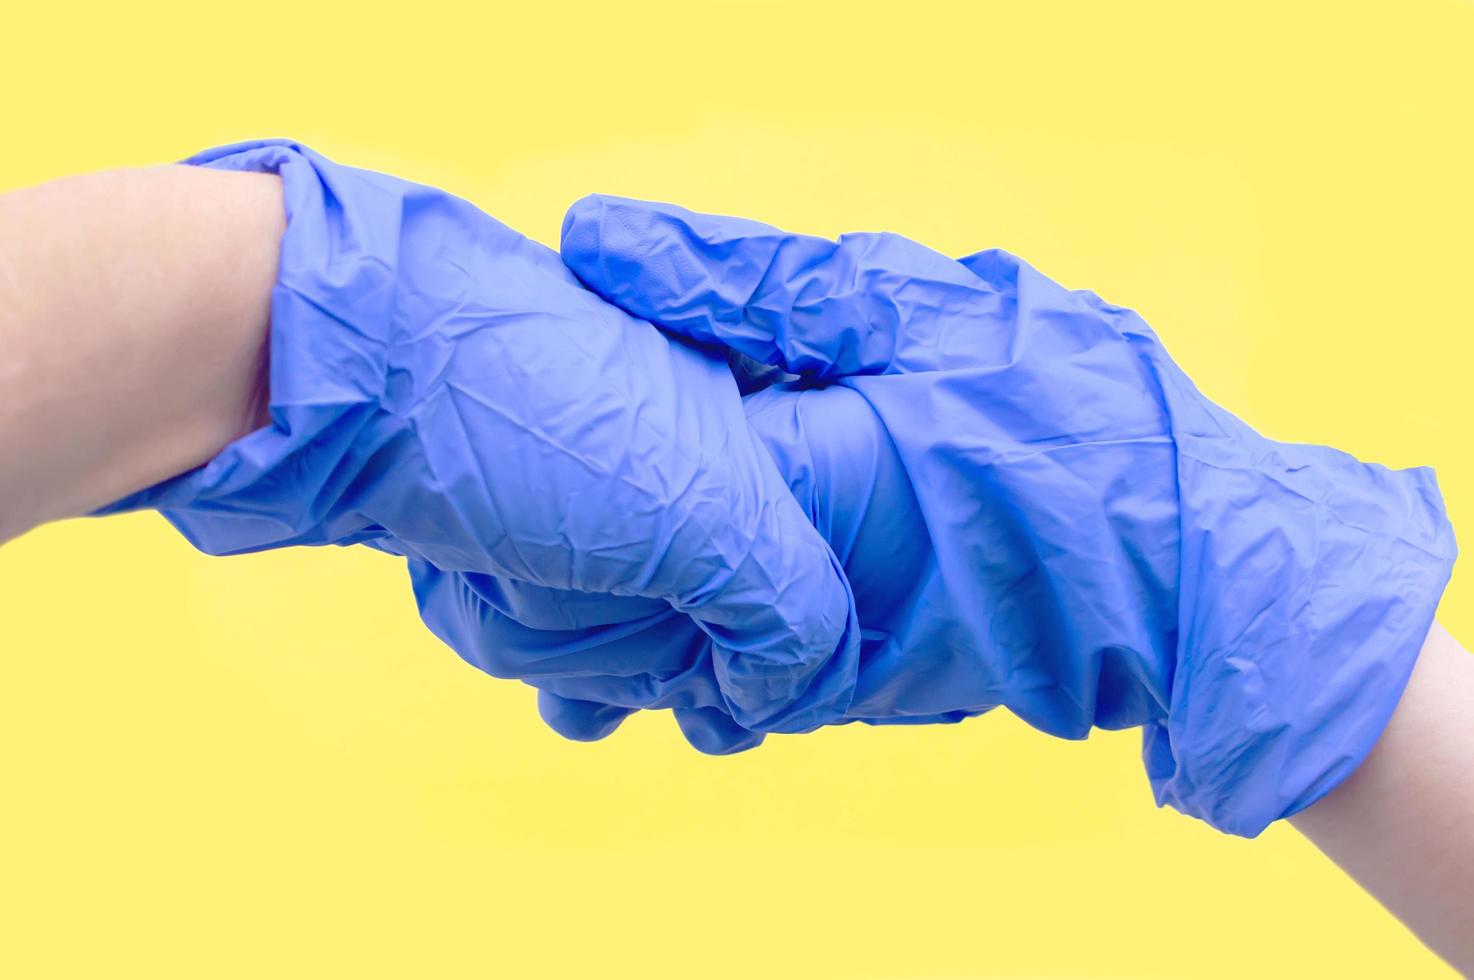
{"x": 1403, "y": 824}
{"x": 133, "y": 316}
{"x": 134, "y": 310}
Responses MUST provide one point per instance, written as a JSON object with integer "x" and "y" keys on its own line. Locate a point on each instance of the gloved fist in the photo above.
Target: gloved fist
{"x": 1056, "y": 521}
{"x": 443, "y": 388}
{"x": 845, "y": 472}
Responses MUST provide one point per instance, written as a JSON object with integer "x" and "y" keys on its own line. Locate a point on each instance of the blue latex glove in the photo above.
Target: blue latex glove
{"x": 1056, "y": 520}
{"x": 843, "y": 468}
{"x": 443, "y": 388}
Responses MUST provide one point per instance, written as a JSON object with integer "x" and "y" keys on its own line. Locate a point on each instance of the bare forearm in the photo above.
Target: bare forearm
{"x": 133, "y": 317}
{"x": 1403, "y": 824}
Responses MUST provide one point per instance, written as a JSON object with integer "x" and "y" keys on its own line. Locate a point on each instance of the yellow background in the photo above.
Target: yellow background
{"x": 265, "y": 767}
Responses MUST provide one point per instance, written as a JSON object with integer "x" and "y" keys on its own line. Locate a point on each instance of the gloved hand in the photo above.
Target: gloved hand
{"x": 1056, "y": 520}
{"x": 843, "y": 468}
{"x": 443, "y": 388}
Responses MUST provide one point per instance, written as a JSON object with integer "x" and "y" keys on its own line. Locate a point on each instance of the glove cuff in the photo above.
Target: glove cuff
{"x": 331, "y": 313}
{"x": 1309, "y": 583}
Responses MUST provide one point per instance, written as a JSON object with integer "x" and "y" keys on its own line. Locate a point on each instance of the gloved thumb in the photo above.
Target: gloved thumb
{"x": 869, "y": 303}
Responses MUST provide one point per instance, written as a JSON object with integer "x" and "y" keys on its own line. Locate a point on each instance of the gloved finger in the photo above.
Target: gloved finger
{"x": 870, "y": 303}
{"x": 589, "y": 679}
{"x": 472, "y": 614}
{"x": 582, "y": 721}
{"x": 713, "y": 731}
{"x": 693, "y": 687}
{"x": 660, "y": 661}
